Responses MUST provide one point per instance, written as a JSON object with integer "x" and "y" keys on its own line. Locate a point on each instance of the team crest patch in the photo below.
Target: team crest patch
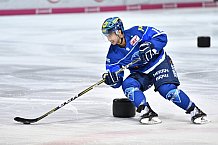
{"x": 134, "y": 40}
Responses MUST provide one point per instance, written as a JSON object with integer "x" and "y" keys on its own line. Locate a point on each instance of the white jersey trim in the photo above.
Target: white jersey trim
{"x": 158, "y": 34}
{"x": 122, "y": 58}
{"x": 158, "y": 63}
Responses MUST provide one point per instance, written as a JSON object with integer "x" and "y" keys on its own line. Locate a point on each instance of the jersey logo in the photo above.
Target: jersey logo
{"x": 134, "y": 40}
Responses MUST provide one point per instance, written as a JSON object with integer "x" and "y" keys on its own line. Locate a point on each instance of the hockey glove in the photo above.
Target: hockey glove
{"x": 111, "y": 78}
{"x": 146, "y": 51}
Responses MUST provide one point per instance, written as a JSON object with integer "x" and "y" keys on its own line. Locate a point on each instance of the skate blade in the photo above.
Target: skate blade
{"x": 154, "y": 120}
{"x": 201, "y": 120}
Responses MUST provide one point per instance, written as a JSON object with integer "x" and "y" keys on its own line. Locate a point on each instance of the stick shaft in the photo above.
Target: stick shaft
{"x": 28, "y": 121}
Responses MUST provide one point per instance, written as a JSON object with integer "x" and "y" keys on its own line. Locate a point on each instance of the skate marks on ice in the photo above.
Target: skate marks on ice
{"x": 42, "y": 70}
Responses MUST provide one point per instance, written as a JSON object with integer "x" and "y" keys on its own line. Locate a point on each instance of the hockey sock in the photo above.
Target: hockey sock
{"x": 131, "y": 89}
{"x": 177, "y": 96}
{"x": 136, "y": 96}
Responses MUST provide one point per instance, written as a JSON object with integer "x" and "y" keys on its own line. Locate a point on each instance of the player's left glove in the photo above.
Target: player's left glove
{"x": 110, "y": 78}
{"x": 146, "y": 51}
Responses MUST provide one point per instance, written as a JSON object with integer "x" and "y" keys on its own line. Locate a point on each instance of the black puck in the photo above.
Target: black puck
{"x": 203, "y": 41}
{"x": 123, "y": 108}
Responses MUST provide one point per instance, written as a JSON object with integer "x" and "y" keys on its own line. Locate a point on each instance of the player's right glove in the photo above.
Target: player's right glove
{"x": 110, "y": 78}
{"x": 146, "y": 51}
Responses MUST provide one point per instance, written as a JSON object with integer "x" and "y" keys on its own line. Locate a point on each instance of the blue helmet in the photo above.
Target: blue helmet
{"x": 112, "y": 25}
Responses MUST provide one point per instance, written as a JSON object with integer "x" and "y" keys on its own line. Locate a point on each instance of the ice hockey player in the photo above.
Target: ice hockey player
{"x": 154, "y": 68}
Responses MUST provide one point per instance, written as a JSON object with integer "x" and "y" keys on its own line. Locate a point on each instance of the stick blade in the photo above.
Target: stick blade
{"x": 25, "y": 121}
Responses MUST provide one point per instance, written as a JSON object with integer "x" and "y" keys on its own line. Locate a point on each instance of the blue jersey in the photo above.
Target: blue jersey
{"x": 119, "y": 56}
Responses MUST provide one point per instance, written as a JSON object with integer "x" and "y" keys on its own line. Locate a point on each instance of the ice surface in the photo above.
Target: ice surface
{"x": 47, "y": 59}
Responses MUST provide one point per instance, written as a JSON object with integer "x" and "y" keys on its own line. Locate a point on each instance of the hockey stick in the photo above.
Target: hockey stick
{"x": 28, "y": 121}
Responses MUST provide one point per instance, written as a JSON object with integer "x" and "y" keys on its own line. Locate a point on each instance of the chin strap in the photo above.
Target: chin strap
{"x": 121, "y": 41}
{"x": 120, "y": 44}
{"x": 119, "y": 37}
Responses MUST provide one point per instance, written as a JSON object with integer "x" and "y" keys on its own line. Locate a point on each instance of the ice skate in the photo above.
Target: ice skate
{"x": 197, "y": 116}
{"x": 149, "y": 117}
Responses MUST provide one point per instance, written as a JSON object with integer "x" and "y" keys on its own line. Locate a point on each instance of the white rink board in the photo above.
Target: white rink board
{"x": 162, "y": 1}
{"x": 28, "y": 4}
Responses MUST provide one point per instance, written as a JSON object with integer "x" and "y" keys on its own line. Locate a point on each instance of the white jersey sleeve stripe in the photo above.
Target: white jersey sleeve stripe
{"x": 158, "y": 34}
{"x": 154, "y": 66}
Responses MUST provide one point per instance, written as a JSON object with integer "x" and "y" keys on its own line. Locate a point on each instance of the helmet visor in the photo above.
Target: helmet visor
{"x": 107, "y": 32}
